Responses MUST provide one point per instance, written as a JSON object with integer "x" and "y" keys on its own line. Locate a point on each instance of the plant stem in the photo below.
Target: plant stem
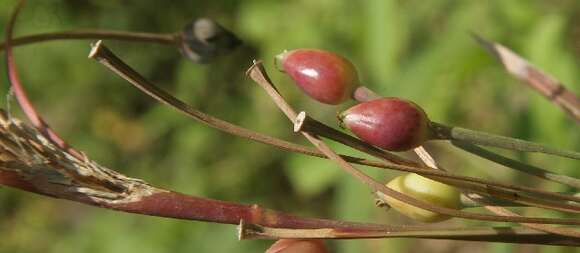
{"x": 258, "y": 74}
{"x": 517, "y": 165}
{"x": 487, "y": 234}
{"x": 160, "y": 38}
{"x": 20, "y": 93}
{"x": 494, "y": 208}
{"x": 441, "y": 131}
{"x": 363, "y": 94}
{"x": 30, "y": 163}
{"x": 102, "y": 54}
{"x": 468, "y": 200}
{"x": 305, "y": 123}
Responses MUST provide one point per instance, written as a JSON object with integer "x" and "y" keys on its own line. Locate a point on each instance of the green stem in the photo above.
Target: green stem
{"x": 486, "y": 139}
{"x": 517, "y": 165}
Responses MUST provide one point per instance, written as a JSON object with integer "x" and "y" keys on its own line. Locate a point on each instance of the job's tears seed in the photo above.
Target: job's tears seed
{"x": 390, "y": 123}
{"x": 325, "y": 76}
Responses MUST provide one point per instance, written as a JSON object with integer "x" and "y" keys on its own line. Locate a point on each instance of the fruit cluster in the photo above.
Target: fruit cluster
{"x": 390, "y": 123}
{"x": 393, "y": 124}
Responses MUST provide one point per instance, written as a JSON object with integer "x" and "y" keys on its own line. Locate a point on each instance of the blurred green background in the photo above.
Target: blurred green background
{"x": 420, "y": 50}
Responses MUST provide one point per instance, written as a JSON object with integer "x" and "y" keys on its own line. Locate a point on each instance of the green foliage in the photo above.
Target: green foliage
{"x": 420, "y": 50}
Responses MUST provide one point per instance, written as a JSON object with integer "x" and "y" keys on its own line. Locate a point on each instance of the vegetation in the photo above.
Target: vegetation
{"x": 418, "y": 50}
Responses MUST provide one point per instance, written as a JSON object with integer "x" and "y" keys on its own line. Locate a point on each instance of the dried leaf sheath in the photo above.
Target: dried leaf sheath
{"x": 28, "y": 160}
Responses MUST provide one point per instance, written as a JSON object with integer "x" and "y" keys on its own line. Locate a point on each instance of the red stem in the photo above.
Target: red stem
{"x": 180, "y": 206}
{"x": 20, "y": 93}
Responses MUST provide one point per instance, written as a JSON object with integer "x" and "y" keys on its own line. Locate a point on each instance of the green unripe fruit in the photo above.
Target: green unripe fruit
{"x": 426, "y": 190}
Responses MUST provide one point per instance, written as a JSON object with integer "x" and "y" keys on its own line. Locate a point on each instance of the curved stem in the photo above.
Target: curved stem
{"x": 20, "y": 93}
{"x": 160, "y": 38}
{"x": 486, "y": 139}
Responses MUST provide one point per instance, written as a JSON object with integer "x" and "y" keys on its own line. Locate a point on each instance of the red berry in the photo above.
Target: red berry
{"x": 325, "y": 76}
{"x": 297, "y": 245}
{"x": 390, "y": 123}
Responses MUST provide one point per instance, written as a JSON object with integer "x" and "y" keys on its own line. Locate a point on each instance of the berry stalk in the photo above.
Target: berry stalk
{"x": 444, "y": 132}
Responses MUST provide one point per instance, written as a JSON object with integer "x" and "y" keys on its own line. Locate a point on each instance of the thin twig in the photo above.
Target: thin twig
{"x": 160, "y": 38}
{"x": 28, "y": 161}
{"x": 543, "y": 83}
{"x": 488, "y": 234}
{"x": 257, "y": 73}
{"x": 477, "y": 198}
{"x": 444, "y": 132}
{"x": 305, "y": 123}
{"x": 36, "y": 161}
{"x": 517, "y": 165}
{"x": 20, "y": 93}
{"x": 364, "y": 94}
{"x": 102, "y": 54}
{"x": 105, "y": 56}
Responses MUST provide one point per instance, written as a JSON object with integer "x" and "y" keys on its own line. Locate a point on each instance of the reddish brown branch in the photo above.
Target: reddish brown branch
{"x": 29, "y": 162}
{"x": 180, "y": 206}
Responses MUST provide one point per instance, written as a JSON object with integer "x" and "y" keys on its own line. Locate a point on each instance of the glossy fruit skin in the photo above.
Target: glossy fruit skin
{"x": 426, "y": 190}
{"x": 325, "y": 76}
{"x": 390, "y": 123}
{"x": 298, "y": 246}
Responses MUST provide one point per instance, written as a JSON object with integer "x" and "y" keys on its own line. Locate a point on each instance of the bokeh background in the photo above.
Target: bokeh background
{"x": 420, "y": 50}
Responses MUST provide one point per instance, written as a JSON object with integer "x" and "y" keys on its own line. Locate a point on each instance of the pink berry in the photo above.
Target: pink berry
{"x": 325, "y": 76}
{"x": 298, "y": 245}
{"x": 390, "y": 123}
